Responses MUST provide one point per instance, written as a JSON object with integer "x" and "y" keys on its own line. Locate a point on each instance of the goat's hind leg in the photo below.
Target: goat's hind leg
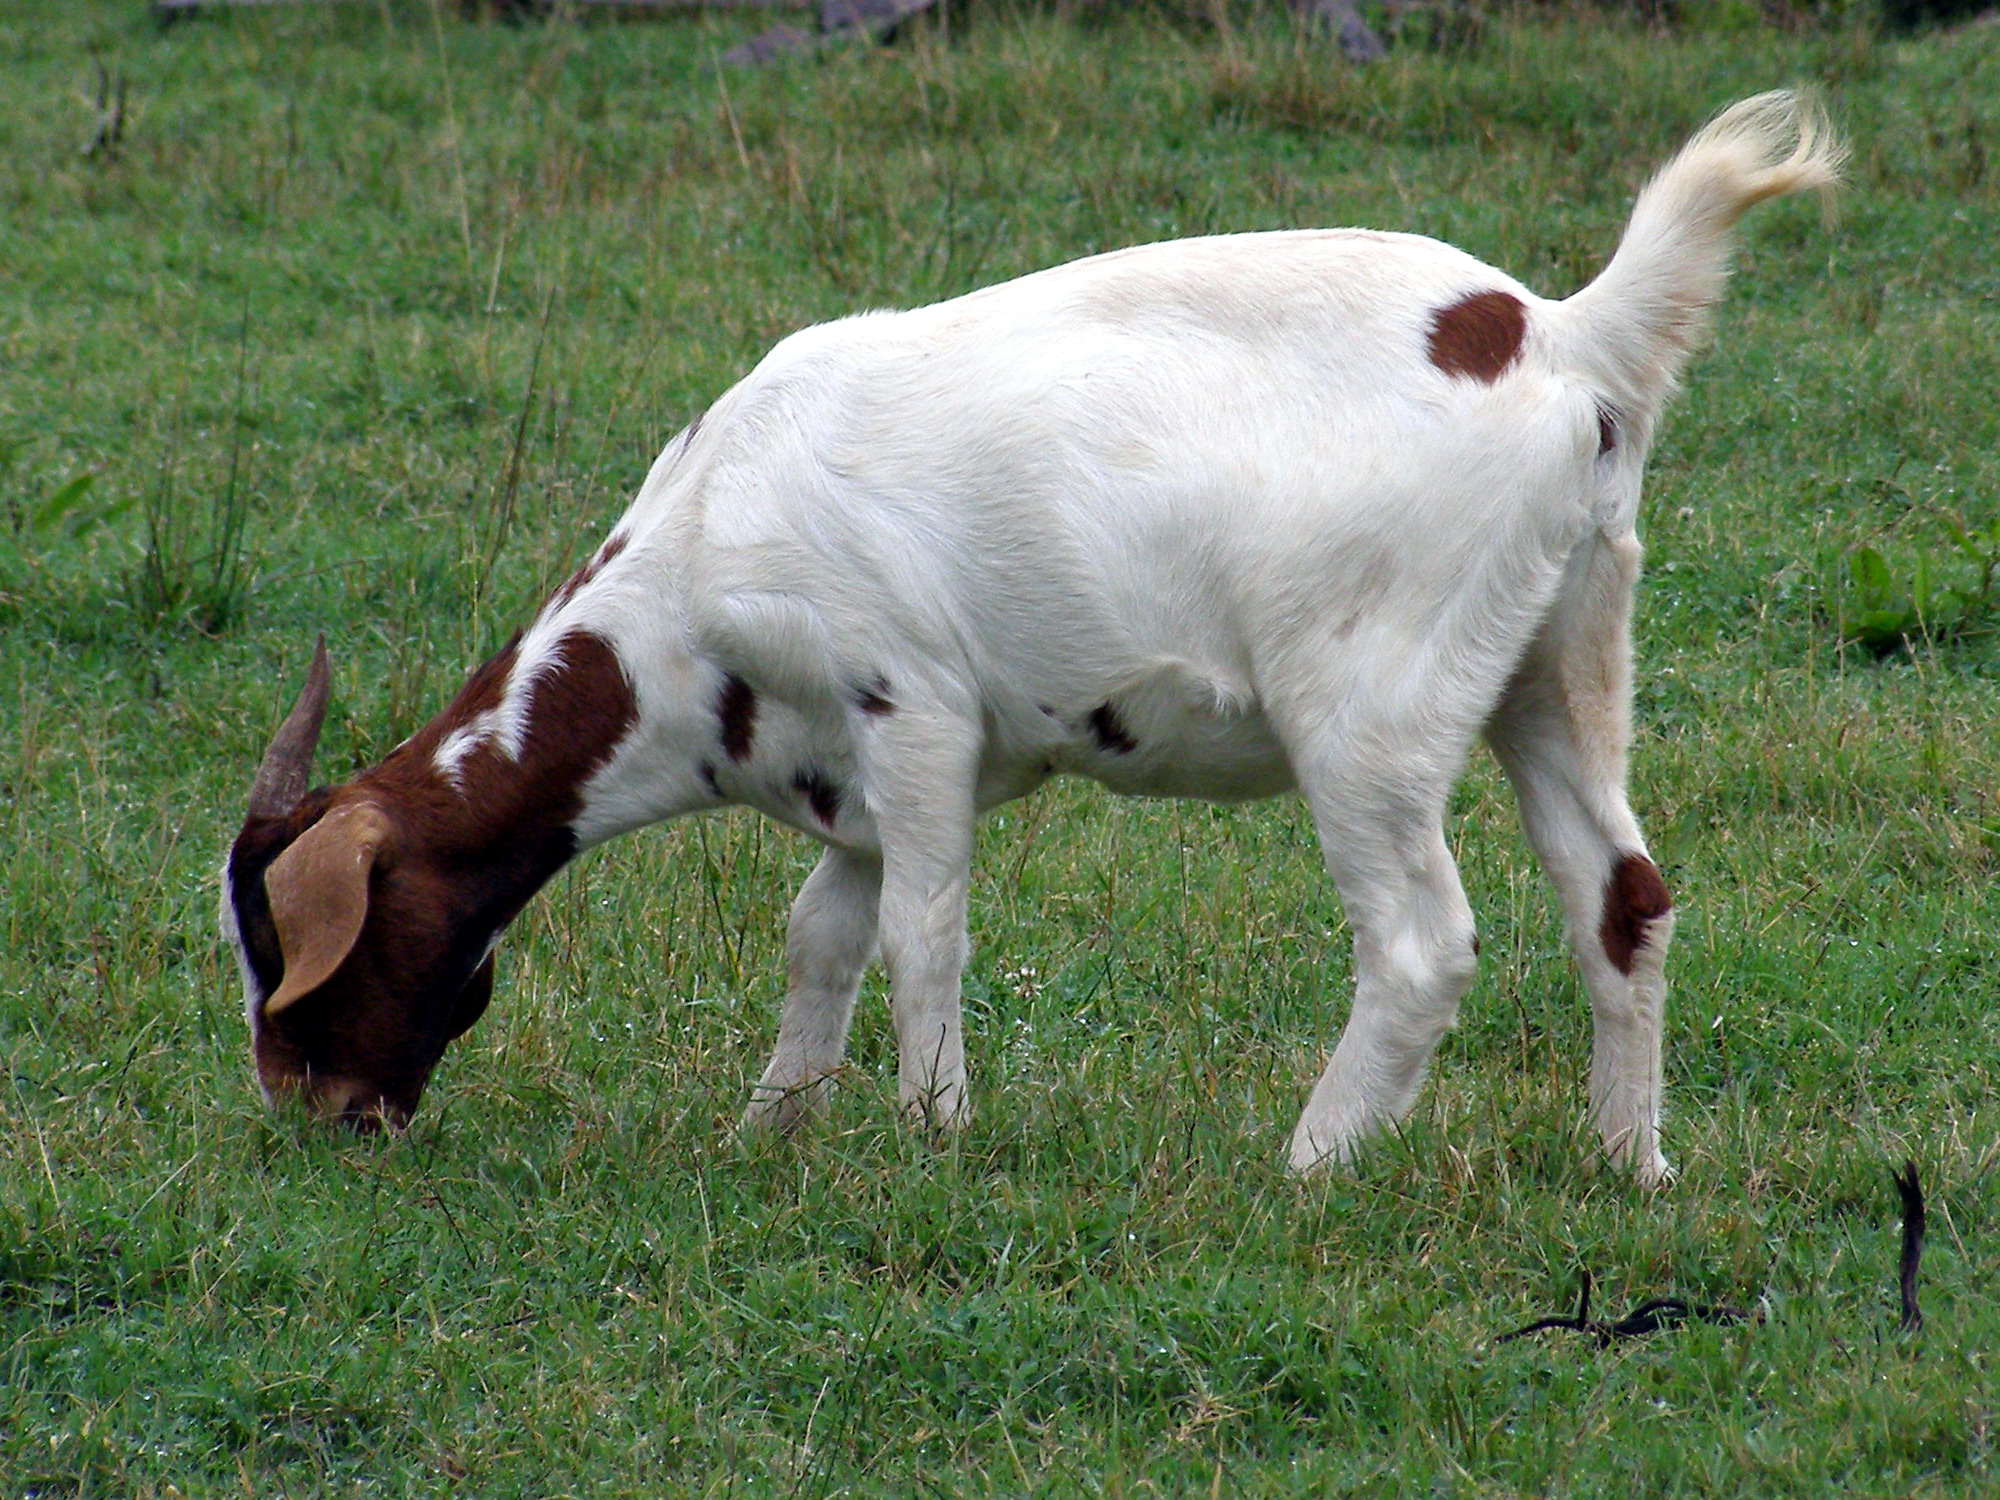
{"x": 828, "y": 943}
{"x": 1561, "y": 732}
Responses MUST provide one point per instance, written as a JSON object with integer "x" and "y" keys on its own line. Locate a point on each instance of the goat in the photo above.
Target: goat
{"x": 1209, "y": 518}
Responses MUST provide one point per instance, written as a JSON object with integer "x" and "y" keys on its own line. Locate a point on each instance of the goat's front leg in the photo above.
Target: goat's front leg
{"x": 920, "y": 767}
{"x": 829, "y": 942}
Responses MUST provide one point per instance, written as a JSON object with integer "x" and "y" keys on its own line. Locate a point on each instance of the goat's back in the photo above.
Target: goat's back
{"x": 1182, "y": 451}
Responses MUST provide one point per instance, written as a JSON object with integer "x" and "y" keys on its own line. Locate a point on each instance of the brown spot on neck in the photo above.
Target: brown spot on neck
{"x": 1607, "y": 429}
{"x": 512, "y": 814}
{"x": 584, "y": 575}
{"x": 1634, "y": 898}
{"x": 1479, "y": 336}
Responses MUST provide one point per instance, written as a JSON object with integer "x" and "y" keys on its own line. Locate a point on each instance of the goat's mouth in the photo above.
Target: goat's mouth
{"x": 352, "y": 1103}
{"x": 360, "y": 1108}
{"x": 373, "y": 1118}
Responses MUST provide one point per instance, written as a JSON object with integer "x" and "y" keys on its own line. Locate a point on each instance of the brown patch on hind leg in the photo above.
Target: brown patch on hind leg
{"x": 1634, "y": 898}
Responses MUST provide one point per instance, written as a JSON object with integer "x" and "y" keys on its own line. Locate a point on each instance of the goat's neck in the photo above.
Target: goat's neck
{"x": 499, "y": 778}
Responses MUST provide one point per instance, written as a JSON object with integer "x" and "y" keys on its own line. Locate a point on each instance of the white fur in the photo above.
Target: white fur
{"x": 1219, "y": 485}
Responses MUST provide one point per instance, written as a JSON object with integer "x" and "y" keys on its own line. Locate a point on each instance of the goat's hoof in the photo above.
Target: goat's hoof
{"x": 777, "y": 1111}
{"x": 1311, "y": 1158}
{"x": 937, "y": 1116}
{"x": 1654, "y": 1172}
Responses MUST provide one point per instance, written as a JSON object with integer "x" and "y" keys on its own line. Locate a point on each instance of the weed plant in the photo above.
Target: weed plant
{"x": 369, "y": 320}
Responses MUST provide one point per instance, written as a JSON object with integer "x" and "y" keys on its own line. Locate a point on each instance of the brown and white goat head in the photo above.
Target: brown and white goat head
{"x": 361, "y": 956}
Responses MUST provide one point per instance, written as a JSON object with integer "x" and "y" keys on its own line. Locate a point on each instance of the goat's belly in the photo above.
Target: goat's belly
{"x": 1220, "y": 757}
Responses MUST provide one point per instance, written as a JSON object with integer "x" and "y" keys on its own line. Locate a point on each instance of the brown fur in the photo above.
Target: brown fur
{"x": 583, "y": 575}
{"x": 1479, "y": 335}
{"x": 1634, "y": 897}
{"x": 874, "y": 698}
{"x": 1110, "y": 732}
{"x": 822, "y": 793}
{"x": 736, "y": 714}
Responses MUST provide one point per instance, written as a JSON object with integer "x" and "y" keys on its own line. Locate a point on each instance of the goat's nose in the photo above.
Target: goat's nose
{"x": 369, "y": 1112}
{"x": 358, "y": 1105}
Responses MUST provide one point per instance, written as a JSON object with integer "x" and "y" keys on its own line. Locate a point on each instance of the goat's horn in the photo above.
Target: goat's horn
{"x": 287, "y": 768}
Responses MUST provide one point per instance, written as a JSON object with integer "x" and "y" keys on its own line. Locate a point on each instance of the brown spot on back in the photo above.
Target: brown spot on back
{"x": 1634, "y": 898}
{"x": 1479, "y": 335}
{"x": 1110, "y": 732}
{"x": 736, "y": 713}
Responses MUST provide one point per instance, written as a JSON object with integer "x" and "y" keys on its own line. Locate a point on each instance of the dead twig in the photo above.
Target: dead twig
{"x": 1651, "y": 1316}
{"x": 1912, "y": 1194}
{"x": 110, "y": 106}
{"x": 1668, "y": 1312}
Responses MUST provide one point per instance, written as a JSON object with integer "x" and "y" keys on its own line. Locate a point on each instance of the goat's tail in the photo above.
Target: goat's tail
{"x": 1633, "y": 329}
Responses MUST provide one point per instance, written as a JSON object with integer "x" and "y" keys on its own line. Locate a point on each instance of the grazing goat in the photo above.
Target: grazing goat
{"x": 1211, "y": 518}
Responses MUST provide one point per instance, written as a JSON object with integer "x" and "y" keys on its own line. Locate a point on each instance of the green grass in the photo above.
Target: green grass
{"x": 370, "y": 324}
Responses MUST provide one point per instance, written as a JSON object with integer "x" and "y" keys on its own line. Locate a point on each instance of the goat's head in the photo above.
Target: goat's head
{"x": 363, "y": 953}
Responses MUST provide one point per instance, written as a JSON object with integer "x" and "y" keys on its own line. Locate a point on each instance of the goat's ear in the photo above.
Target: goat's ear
{"x": 318, "y": 891}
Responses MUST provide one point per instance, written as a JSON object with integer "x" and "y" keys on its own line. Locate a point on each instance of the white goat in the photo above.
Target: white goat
{"x": 1211, "y": 518}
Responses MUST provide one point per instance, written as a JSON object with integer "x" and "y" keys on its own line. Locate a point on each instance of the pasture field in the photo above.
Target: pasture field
{"x": 370, "y": 320}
